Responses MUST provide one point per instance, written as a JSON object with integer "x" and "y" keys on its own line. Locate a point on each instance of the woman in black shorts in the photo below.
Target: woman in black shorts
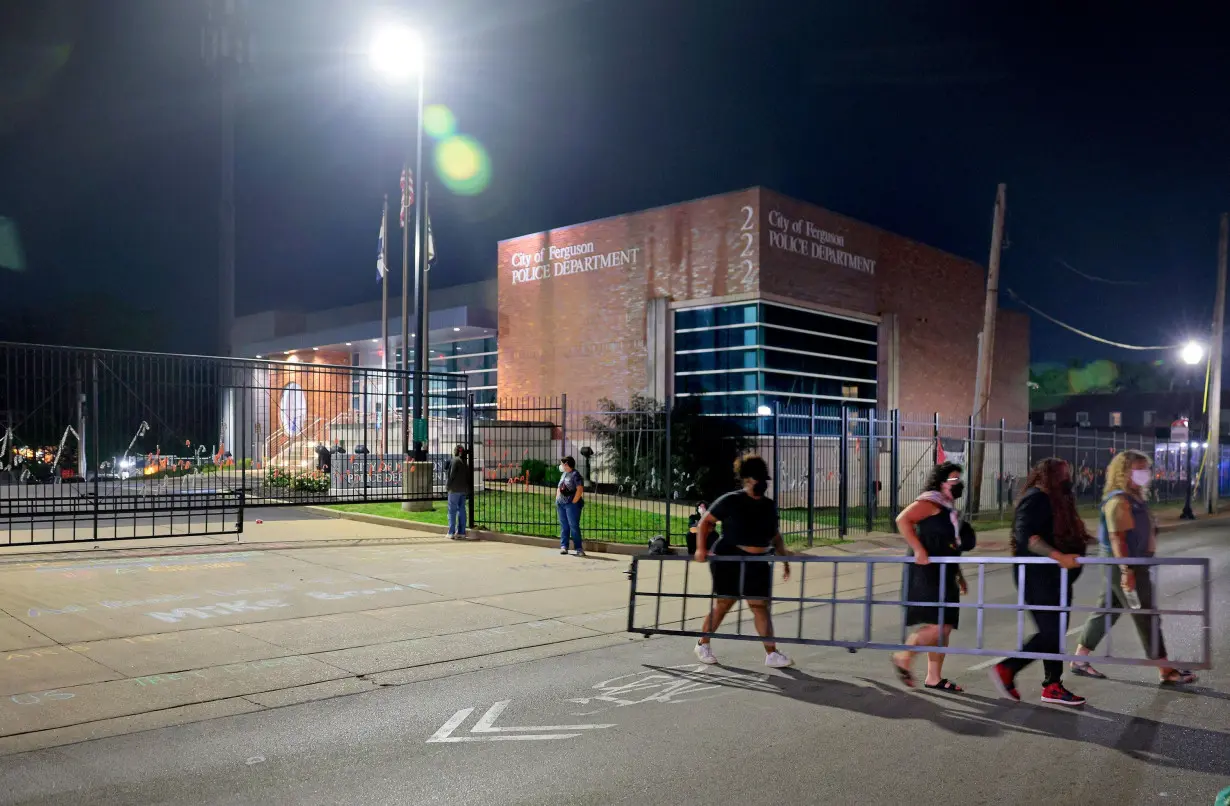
{"x": 749, "y": 528}
{"x": 932, "y": 528}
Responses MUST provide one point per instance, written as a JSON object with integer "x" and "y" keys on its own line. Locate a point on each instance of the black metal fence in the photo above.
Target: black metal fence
{"x": 837, "y": 471}
{"x": 99, "y": 444}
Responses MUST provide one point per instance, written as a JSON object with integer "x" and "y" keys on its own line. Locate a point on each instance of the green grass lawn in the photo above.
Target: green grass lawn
{"x": 534, "y": 514}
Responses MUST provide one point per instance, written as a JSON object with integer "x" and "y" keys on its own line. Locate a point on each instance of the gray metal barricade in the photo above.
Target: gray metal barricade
{"x": 647, "y": 568}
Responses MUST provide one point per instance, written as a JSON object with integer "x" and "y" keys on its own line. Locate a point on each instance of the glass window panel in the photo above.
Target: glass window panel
{"x": 818, "y": 387}
{"x": 717, "y": 382}
{"x": 819, "y": 322}
{"x": 714, "y": 339}
{"x": 818, "y": 344}
{"x": 776, "y": 359}
{"x": 715, "y": 317}
{"x": 723, "y": 359}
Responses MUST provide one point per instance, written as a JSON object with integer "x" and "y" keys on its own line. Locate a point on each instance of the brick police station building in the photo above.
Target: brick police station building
{"x": 739, "y": 300}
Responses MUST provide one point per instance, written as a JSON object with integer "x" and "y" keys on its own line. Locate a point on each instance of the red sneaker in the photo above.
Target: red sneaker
{"x": 1004, "y": 681}
{"x": 1056, "y": 694}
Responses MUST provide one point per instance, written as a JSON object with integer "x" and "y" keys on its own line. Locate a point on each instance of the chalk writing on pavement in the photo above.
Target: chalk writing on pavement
{"x": 668, "y": 686}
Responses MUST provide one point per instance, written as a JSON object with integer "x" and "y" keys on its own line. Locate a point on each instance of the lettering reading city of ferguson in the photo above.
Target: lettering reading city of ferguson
{"x": 557, "y": 261}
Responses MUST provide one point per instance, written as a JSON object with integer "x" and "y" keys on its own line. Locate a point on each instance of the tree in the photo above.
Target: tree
{"x": 634, "y": 451}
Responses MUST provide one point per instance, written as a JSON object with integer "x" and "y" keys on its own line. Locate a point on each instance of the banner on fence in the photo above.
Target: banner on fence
{"x": 373, "y": 470}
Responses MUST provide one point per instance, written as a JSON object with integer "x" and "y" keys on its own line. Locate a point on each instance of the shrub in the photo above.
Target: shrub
{"x": 534, "y": 471}
{"x": 311, "y": 481}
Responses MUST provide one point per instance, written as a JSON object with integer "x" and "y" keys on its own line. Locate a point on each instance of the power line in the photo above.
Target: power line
{"x": 1092, "y": 278}
{"x": 1086, "y": 335}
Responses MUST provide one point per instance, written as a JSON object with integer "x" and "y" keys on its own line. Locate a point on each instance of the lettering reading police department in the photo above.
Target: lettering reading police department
{"x": 563, "y": 260}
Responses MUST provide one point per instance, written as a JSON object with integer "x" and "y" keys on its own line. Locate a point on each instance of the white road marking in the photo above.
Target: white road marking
{"x": 486, "y": 725}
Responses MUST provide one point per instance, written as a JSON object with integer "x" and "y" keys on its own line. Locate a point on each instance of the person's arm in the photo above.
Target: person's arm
{"x": 1032, "y": 516}
{"x": 907, "y": 526}
{"x": 779, "y": 547}
{"x": 702, "y": 536}
{"x": 576, "y": 497}
{"x": 1119, "y": 522}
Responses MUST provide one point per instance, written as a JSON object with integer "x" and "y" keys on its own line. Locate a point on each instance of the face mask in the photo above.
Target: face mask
{"x": 563, "y": 468}
{"x": 1141, "y": 478}
{"x": 1066, "y": 487}
{"x": 700, "y": 510}
{"x": 760, "y": 487}
{"x": 956, "y": 490}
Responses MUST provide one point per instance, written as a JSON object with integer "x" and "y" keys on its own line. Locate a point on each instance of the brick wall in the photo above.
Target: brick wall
{"x": 583, "y": 332}
{"x": 326, "y": 394}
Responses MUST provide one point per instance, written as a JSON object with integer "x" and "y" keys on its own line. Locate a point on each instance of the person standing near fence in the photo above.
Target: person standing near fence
{"x": 749, "y": 529}
{"x": 1127, "y": 529}
{"x": 1045, "y": 524}
{"x": 569, "y": 500}
{"x": 460, "y": 479}
{"x": 932, "y": 528}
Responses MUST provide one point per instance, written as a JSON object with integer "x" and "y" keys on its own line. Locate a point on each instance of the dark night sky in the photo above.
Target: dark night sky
{"x": 1111, "y": 129}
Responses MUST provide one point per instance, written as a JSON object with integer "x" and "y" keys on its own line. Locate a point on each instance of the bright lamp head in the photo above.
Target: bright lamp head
{"x": 1192, "y": 353}
{"x": 396, "y": 53}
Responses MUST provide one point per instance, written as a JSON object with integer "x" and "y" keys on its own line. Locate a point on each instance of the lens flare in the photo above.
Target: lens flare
{"x": 439, "y": 121}
{"x": 463, "y": 165}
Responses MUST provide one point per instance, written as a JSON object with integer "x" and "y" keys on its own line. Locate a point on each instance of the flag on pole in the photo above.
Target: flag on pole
{"x": 407, "y": 194}
{"x": 380, "y": 267}
{"x": 431, "y": 244}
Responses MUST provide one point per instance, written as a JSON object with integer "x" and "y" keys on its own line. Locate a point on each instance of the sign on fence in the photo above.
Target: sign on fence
{"x": 349, "y": 471}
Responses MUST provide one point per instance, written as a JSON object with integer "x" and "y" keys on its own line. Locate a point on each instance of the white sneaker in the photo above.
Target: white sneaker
{"x": 705, "y": 655}
{"x": 776, "y": 660}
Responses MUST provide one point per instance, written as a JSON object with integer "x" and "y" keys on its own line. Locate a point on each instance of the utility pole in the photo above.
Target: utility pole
{"x": 1212, "y": 471}
{"x": 986, "y": 353}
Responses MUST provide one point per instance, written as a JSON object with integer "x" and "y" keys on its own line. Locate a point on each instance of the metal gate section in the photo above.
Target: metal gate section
{"x": 834, "y": 601}
{"x": 104, "y": 445}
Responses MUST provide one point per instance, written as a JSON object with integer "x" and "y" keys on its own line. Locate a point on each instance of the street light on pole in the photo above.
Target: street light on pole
{"x": 397, "y": 54}
{"x": 1191, "y": 354}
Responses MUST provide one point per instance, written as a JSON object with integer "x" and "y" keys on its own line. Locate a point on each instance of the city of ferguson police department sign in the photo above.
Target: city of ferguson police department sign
{"x": 559, "y": 261}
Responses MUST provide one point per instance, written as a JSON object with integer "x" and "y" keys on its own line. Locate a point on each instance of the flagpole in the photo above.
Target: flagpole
{"x": 405, "y": 315}
{"x": 384, "y": 331}
{"x": 423, "y": 311}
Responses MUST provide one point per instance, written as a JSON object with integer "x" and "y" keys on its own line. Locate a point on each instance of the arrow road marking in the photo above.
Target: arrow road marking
{"x": 486, "y": 725}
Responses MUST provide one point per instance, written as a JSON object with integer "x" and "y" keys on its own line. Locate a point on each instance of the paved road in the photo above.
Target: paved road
{"x": 641, "y": 722}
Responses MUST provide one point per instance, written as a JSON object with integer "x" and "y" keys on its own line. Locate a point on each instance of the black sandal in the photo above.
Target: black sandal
{"x": 945, "y": 685}
{"x": 1178, "y": 677}
{"x": 903, "y": 675}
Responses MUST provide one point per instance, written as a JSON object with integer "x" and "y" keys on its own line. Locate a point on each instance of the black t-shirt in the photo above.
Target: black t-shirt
{"x": 746, "y": 521}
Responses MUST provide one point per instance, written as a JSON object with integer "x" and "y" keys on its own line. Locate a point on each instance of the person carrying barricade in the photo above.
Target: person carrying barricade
{"x": 1045, "y": 524}
{"x": 1126, "y": 528}
{"x": 933, "y": 528}
{"x": 749, "y": 529}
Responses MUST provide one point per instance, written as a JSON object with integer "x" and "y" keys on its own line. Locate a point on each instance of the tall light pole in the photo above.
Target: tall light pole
{"x": 1215, "y": 358}
{"x": 226, "y": 48}
{"x": 397, "y": 54}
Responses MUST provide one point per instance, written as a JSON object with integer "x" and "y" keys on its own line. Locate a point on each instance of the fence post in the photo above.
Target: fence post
{"x": 777, "y": 465}
{"x": 1074, "y": 467}
{"x": 843, "y": 474}
{"x": 1029, "y": 444}
{"x": 563, "y": 429}
{"x": 894, "y": 463}
{"x": 666, "y": 481}
{"x": 470, "y": 452}
{"x": 95, "y": 427}
{"x": 935, "y": 438}
{"x": 811, "y": 474}
{"x": 1055, "y": 440}
{"x": 871, "y": 460}
{"x": 366, "y": 439}
{"x": 999, "y": 486}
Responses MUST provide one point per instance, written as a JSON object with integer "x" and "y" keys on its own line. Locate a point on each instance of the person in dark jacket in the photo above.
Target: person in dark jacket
{"x": 932, "y": 528}
{"x": 460, "y": 480}
{"x": 1045, "y": 524}
{"x": 694, "y": 525}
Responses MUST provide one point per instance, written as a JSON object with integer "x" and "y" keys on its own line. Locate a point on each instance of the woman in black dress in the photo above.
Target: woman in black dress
{"x": 932, "y": 528}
